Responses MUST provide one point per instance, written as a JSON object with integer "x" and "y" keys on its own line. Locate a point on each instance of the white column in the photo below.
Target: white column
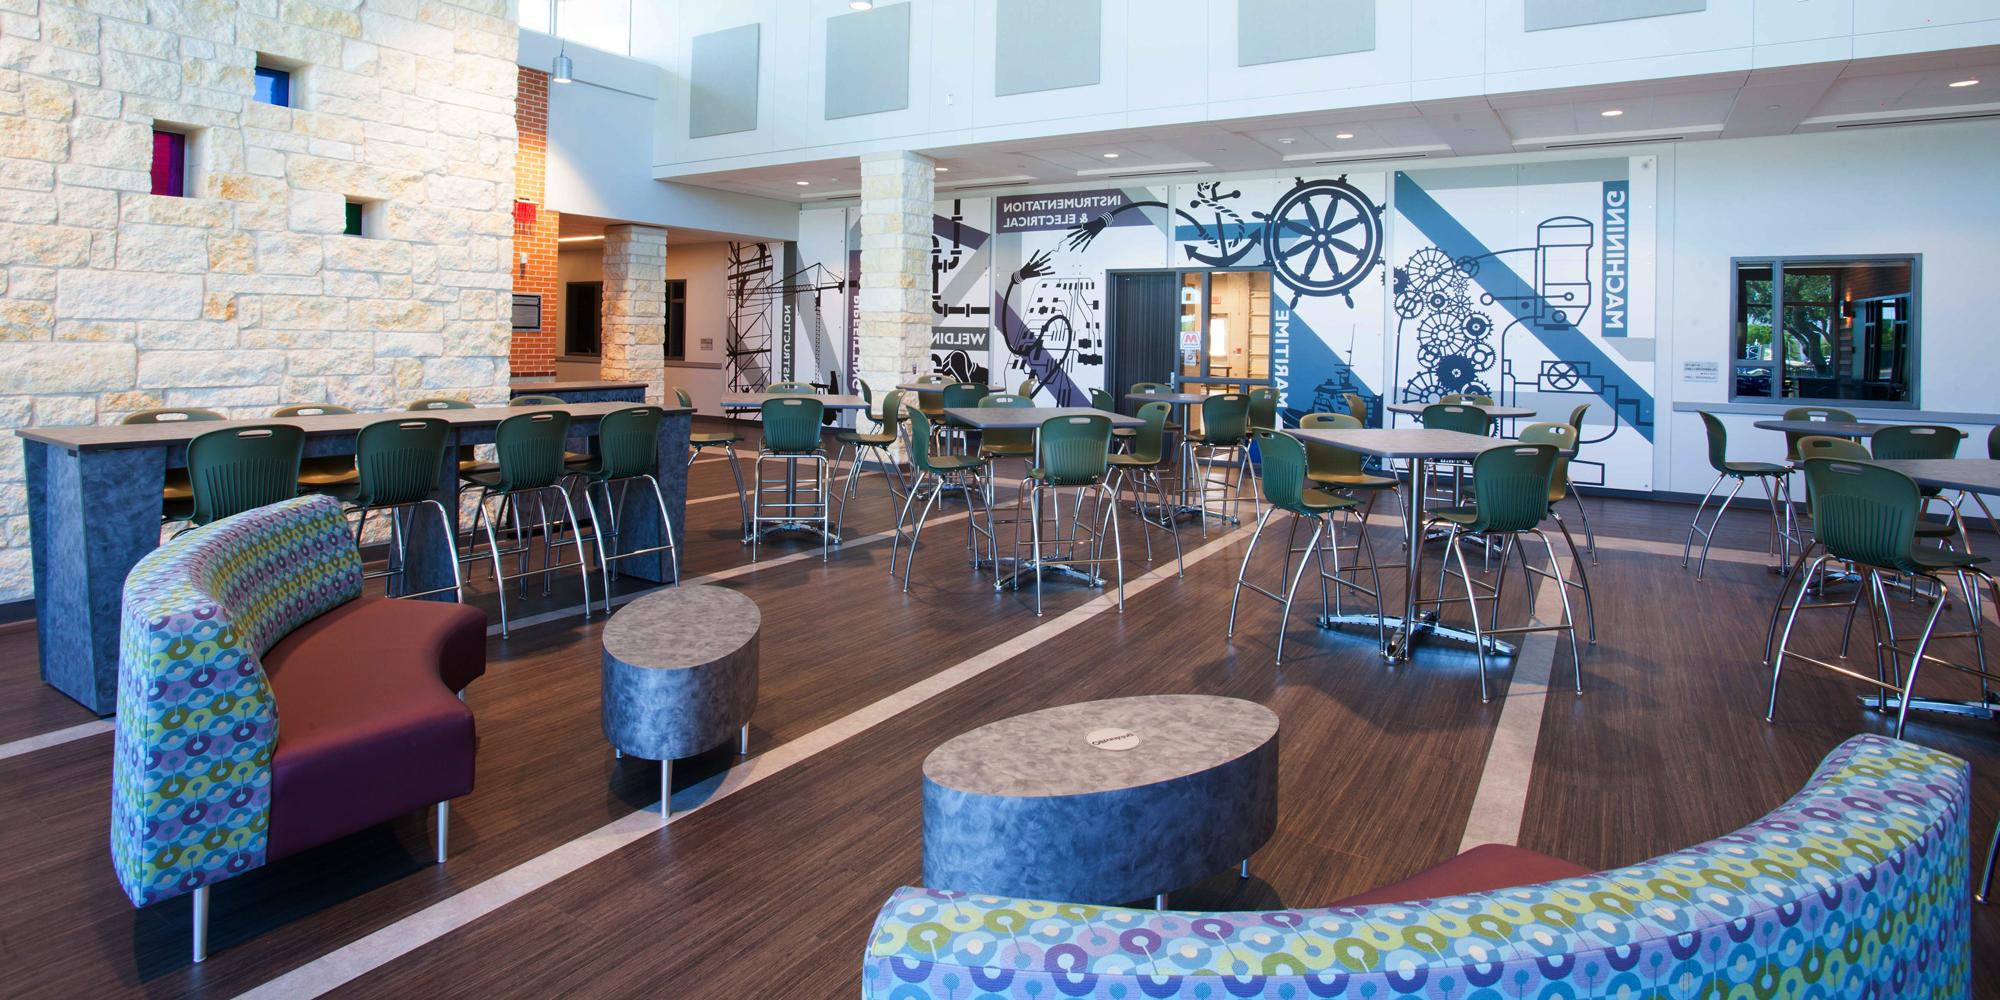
{"x": 632, "y": 338}
{"x": 894, "y": 305}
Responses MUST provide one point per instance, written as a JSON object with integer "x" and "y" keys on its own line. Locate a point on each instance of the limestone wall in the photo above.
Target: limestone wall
{"x": 245, "y": 295}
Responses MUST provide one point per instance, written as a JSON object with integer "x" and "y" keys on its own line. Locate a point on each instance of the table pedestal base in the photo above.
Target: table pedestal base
{"x": 1401, "y": 639}
{"x": 1890, "y": 705}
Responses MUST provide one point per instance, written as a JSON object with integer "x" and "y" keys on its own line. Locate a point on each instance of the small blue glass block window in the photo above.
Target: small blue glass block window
{"x": 274, "y": 86}
{"x": 354, "y": 219}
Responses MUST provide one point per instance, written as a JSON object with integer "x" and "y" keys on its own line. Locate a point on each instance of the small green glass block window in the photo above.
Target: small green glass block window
{"x": 354, "y": 219}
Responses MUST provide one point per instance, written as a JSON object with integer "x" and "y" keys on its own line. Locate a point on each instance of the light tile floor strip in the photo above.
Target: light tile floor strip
{"x": 43, "y": 741}
{"x": 1502, "y": 796}
{"x": 353, "y": 960}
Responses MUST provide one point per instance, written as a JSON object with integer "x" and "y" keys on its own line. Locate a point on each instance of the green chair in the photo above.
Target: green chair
{"x": 936, "y": 473}
{"x": 177, "y": 496}
{"x": 961, "y": 395}
{"x": 1101, "y": 400}
{"x": 791, "y": 436}
{"x": 235, "y": 469}
{"x": 1866, "y": 515}
{"x": 1992, "y": 452}
{"x": 1921, "y": 441}
{"x": 1285, "y": 487}
{"x": 1458, "y": 417}
{"x": 793, "y": 389}
{"x": 1773, "y": 477}
{"x": 1145, "y": 463}
{"x": 1028, "y": 387}
{"x": 1825, "y": 413}
{"x": 1844, "y": 449}
{"x": 1225, "y": 432}
{"x": 1071, "y": 453}
{"x": 530, "y": 467}
{"x": 1158, "y": 389}
{"x": 396, "y": 469}
{"x": 1007, "y": 443}
{"x": 726, "y": 442}
{"x": 1589, "y": 537}
{"x": 321, "y": 473}
{"x": 854, "y": 443}
{"x": 868, "y": 402}
{"x": 1357, "y": 406}
{"x": 1563, "y": 438}
{"x": 1474, "y": 398}
{"x": 627, "y": 449}
{"x": 537, "y": 399}
{"x": 1514, "y": 484}
{"x": 1342, "y": 471}
{"x": 1263, "y": 409}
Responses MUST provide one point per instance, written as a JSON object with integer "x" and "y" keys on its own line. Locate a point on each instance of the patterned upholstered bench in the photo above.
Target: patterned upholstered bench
{"x": 1856, "y": 887}
{"x": 266, "y": 707}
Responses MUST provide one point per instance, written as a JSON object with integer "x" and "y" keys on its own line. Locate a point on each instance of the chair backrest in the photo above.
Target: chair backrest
{"x": 1149, "y": 444}
{"x": 1263, "y": 408}
{"x": 534, "y": 399}
{"x": 1475, "y": 398}
{"x": 931, "y": 378}
{"x": 681, "y": 395}
{"x": 1718, "y": 440}
{"x": 1007, "y": 438}
{"x": 1993, "y": 442}
{"x": 1825, "y": 413}
{"x": 170, "y": 414}
{"x": 628, "y": 442}
{"x": 1282, "y": 471}
{"x": 241, "y": 468}
{"x": 791, "y": 425}
{"x": 1456, "y": 417}
{"x": 793, "y": 389}
{"x": 1357, "y": 406}
{"x": 1325, "y": 459}
{"x": 197, "y": 615}
{"x": 1151, "y": 388}
{"x": 398, "y": 459}
{"x": 1916, "y": 441}
{"x": 529, "y": 447}
{"x": 920, "y": 441}
{"x": 1225, "y": 418}
{"x": 1864, "y": 513}
{"x": 1099, "y": 399}
{"x": 1564, "y": 438}
{"x": 1576, "y": 420}
{"x": 1028, "y": 387}
{"x": 1514, "y": 485}
{"x": 437, "y": 403}
{"x": 310, "y": 410}
{"x": 867, "y": 394}
{"x": 1844, "y": 449}
{"x": 964, "y": 394}
{"x": 1073, "y": 450}
{"x": 892, "y": 410}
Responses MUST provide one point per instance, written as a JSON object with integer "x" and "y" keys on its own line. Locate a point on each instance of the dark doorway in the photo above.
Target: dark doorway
{"x": 1143, "y": 311}
{"x": 582, "y": 301}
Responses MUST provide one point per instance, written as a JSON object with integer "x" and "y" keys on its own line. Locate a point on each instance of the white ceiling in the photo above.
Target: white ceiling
{"x": 1730, "y": 105}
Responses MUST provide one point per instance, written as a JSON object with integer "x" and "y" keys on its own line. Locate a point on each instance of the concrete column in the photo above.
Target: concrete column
{"x": 633, "y": 337}
{"x": 896, "y": 193}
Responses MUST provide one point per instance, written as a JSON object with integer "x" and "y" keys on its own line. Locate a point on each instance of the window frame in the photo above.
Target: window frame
{"x": 1912, "y": 368}
{"x": 675, "y": 294}
{"x": 282, "y": 78}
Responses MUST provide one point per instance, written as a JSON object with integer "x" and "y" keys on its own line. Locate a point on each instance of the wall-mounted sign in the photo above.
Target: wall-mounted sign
{"x": 1701, "y": 371}
{"x": 958, "y": 338}
{"x": 527, "y": 312}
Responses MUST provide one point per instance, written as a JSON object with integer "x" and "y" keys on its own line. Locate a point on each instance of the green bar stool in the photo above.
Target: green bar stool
{"x": 1357, "y": 406}
{"x": 1455, "y": 416}
{"x": 868, "y": 402}
{"x": 537, "y": 399}
{"x": 1342, "y": 471}
{"x": 177, "y": 495}
{"x": 1144, "y": 462}
{"x": 726, "y": 442}
{"x": 1992, "y": 452}
{"x": 1028, "y": 387}
{"x": 1917, "y": 441}
{"x": 1263, "y": 409}
{"x": 1073, "y": 453}
{"x": 962, "y": 395}
{"x": 935, "y": 474}
{"x": 1563, "y": 438}
{"x": 396, "y": 467}
{"x": 791, "y": 435}
{"x": 1774, "y": 478}
{"x": 1514, "y": 484}
{"x": 1475, "y": 398}
{"x": 627, "y": 443}
{"x": 793, "y": 389}
{"x": 1101, "y": 400}
{"x": 323, "y": 473}
{"x": 529, "y": 447}
{"x": 1867, "y": 516}
{"x": 854, "y": 443}
{"x": 1225, "y": 432}
{"x": 1589, "y": 537}
{"x": 1285, "y": 486}
{"x": 235, "y": 469}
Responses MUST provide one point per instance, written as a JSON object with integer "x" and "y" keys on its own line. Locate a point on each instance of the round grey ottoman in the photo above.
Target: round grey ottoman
{"x": 680, "y": 675}
{"x": 1103, "y": 801}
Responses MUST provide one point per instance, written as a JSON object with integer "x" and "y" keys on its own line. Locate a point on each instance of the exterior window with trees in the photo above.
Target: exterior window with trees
{"x": 1825, "y": 328}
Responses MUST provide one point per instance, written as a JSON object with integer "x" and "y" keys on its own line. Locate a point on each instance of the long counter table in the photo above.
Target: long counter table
{"x": 94, "y": 504}
{"x": 582, "y": 392}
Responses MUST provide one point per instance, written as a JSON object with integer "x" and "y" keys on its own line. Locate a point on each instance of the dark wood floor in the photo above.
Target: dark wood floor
{"x": 770, "y": 891}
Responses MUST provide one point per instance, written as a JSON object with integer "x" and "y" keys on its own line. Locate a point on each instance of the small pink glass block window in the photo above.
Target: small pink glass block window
{"x": 169, "y": 163}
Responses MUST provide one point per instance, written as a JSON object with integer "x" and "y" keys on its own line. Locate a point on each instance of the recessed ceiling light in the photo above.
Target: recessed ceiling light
{"x": 1965, "y": 83}
{"x": 1286, "y": 141}
{"x": 1343, "y": 135}
{"x": 1111, "y": 156}
{"x": 1611, "y": 113}
{"x": 862, "y": 4}
{"x": 944, "y": 170}
{"x": 802, "y": 183}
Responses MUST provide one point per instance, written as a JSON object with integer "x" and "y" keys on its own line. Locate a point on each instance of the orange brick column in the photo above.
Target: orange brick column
{"x": 534, "y": 351}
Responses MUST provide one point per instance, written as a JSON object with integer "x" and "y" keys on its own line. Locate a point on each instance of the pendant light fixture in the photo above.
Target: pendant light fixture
{"x": 561, "y": 70}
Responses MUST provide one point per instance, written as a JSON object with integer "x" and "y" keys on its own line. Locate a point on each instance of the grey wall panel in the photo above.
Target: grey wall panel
{"x": 722, "y": 82}
{"x": 868, "y": 62}
{"x": 1269, "y": 31}
{"x": 1545, "y": 14}
{"x": 1046, "y": 45}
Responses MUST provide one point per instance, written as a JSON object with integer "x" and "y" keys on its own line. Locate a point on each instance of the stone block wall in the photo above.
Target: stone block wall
{"x": 634, "y": 331}
{"x": 245, "y": 295}
{"x": 893, "y": 303}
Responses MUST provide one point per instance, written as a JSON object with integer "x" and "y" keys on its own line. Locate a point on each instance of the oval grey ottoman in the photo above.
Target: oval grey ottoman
{"x": 1103, "y": 801}
{"x": 680, "y": 675}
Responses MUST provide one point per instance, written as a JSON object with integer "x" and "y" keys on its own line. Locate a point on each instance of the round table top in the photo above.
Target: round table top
{"x": 681, "y": 628}
{"x": 1101, "y": 746}
{"x": 1829, "y": 428}
{"x": 1495, "y": 411}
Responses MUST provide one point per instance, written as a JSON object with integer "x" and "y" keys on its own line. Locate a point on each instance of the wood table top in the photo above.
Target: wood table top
{"x": 1975, "y": 475}
{"x": 1829, "y": 428}
{"x": 1495, "y": 411}
{"x": 1005, "y": 418}
{"x": 754, "y": 400}
{"x": 105, "y": 436}
{"x": 1399, "y": 442}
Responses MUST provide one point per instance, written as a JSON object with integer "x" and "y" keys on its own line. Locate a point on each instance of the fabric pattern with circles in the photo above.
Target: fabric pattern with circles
{"x": 197, "y": 726}
{"x": 1856, "y": 887}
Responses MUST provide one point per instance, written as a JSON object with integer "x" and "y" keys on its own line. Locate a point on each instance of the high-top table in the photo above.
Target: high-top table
{"x": 1184, "y": 449}
{"x": 1494, "y": 412}
{"x": 1102, "y": 801}
{"x": 94, "y": 505}
{"x": 1828, "y": 428}
{"x": 1419, "y": 447}
{"x": 997, "y": 418}
{"x": 581, "y": 391}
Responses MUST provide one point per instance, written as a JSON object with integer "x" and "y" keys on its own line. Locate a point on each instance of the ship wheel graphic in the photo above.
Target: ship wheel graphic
{"x": 1324, "y": 237}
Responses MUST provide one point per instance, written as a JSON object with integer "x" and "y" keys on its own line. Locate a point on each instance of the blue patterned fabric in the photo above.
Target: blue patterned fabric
{"x": 1856, "y": 887}
{"x": 196, "y": 726}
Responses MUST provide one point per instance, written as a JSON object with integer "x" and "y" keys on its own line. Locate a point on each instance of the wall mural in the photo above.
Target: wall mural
{"x": 817, "y": 299}
{"x": 961, "y": 301}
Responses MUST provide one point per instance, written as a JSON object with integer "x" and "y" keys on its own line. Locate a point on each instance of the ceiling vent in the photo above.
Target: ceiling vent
{"x": 1922, "y": 121}
{"x": 1592, "y": 144}
{"x": 1371, "y": 159}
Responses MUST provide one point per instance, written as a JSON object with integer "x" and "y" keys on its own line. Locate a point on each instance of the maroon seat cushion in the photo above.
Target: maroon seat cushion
{"x": 1482, "y": 869}
{"x": 369, "y": 725}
